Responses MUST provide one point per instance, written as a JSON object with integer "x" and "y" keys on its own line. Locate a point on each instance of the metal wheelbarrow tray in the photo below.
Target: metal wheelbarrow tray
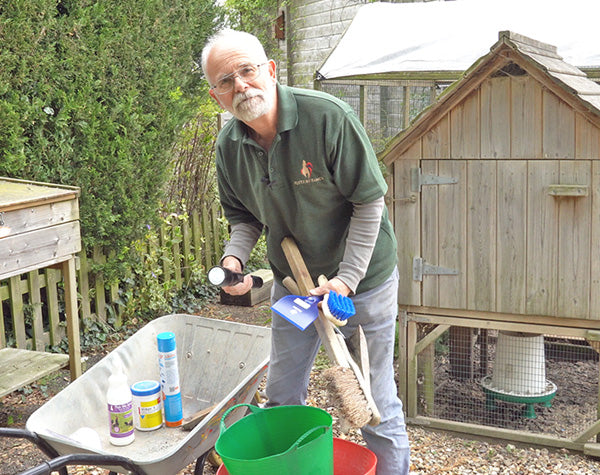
{"x": 220, "y": 363}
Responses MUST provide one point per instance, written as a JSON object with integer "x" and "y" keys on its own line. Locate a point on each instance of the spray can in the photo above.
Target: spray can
{"x": 120, "y": 408}
{"x": 169, "y": 379}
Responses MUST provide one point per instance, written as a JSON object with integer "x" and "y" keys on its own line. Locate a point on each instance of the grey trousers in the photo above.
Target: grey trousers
{"x": 293, "y": 353}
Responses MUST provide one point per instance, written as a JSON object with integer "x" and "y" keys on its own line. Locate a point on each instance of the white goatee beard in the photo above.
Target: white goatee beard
{"x": 251, "y": 104}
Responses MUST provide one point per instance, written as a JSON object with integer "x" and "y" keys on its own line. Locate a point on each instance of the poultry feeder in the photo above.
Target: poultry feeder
{"x": 519, "y": 373}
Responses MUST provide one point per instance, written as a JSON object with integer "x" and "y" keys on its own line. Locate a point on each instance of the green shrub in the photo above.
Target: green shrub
{"x": 93, "y": 93}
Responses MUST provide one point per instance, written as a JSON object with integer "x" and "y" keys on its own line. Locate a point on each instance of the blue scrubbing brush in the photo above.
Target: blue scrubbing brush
{"x": 337, "y": 308}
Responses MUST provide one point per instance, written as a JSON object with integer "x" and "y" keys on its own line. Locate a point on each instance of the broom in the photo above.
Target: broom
{"x": 349, "y": 388}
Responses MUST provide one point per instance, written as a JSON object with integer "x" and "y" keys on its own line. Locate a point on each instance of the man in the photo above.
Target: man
{"x": 298, "y": 163}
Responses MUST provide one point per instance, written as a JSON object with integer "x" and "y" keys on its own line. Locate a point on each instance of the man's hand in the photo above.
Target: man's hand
{"x": 336, "y": 284}
{"x": 233, "y": 264}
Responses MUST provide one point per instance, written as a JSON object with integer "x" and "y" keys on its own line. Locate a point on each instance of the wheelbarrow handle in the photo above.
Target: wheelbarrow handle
{"x": 64, "y": 461}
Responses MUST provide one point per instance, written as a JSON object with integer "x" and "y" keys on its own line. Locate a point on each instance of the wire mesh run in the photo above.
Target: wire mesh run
{"x": 390, "y": 105}
{"x": 524, "y": 381}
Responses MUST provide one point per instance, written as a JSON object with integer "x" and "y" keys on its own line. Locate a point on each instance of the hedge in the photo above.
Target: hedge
{"x": 92, "y": 93}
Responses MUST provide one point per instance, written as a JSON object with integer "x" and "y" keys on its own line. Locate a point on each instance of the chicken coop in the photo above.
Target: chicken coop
{"x": 495, "y": 198}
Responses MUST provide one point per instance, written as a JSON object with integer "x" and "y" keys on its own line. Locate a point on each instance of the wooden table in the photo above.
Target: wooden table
{"x": 39, "y": 227}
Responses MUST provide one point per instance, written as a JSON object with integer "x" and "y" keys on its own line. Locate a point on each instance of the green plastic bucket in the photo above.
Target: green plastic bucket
{"x": 282, "y": 440}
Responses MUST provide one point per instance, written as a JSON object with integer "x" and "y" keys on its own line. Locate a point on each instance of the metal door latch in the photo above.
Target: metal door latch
{"x": 421, "y": 268}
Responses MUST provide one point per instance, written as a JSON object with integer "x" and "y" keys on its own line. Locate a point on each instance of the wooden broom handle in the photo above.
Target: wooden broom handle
{"x": 325, "y": 329}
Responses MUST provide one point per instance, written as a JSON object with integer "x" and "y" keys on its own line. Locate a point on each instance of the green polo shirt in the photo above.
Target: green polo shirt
{"x": 320, "y": 163}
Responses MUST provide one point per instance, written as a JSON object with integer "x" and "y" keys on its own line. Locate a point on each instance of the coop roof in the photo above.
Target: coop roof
{"x": 512, "y": 50}
{"x": 448, "y": 36}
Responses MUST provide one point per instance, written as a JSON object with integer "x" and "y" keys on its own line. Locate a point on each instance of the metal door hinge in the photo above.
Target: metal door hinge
{"x": 417, "y": 180}
{"x": 421, "y": 268}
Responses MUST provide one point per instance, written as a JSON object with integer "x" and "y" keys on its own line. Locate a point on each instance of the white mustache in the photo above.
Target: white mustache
{"x": 242, "y": 96}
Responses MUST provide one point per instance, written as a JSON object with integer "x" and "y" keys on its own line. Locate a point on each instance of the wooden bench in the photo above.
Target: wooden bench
{"x": 39, "y": 227}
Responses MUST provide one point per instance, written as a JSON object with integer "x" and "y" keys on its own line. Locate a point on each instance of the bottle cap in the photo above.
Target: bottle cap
{"x": 145, "y": 388}
{"x": 166, "y": 342}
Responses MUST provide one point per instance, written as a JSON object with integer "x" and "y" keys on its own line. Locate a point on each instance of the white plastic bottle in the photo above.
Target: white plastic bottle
{"x": 120, "y": 408}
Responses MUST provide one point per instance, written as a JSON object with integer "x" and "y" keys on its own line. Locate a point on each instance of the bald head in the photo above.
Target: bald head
{"x": 232, "y": 39}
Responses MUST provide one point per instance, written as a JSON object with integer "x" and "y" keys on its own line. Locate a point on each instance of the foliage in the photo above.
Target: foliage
{"x": 92, "y": 93}
{"x": 192, "y": 182}
{"x": 256, "y": 17}
{"x": 152, "y": 288}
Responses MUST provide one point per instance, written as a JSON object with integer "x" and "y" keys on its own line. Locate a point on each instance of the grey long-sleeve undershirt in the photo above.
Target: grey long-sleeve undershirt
{"x": 362, "y": 235}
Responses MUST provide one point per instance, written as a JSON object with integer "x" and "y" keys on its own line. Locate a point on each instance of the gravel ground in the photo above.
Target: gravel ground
{"x": 432, "y": 452}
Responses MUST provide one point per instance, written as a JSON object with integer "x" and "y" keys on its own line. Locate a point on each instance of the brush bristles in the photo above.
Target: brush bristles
{"x": 348, "y": 396}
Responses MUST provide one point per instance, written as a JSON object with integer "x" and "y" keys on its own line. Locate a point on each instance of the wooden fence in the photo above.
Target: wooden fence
{"x": 31, "y": 305}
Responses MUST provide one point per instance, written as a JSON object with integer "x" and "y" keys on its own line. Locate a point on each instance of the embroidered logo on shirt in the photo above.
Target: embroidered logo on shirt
{"x": 306, "y": 169}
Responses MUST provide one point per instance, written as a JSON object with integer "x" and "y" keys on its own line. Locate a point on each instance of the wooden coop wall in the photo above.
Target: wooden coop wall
{"x": 520, "y": 224}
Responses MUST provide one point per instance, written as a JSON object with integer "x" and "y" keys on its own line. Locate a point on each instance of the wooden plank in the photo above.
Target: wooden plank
{"x": 16, "y": 309}
{"x": 518, "y": 326}
{"x": 495, "y": 117}
{"x": 452, "y": 230}
{"x": 430, "y": 236}
{"x": 559, "y": 128}
{"x": 465, "y": 128}
{"x": 497, "y": 433}
{"x": 511, "y": 236}
{"x": 406, "y": 211}
{"x": 587, "y": 139}
{"x": 481, "y": 237}
{"x": 24, "y": 220}
{"x": 22, "y": 367}
{"x": 595, "y": 238}
{"x": 38, "y": 247}
{"x": 505, "y": 317}
{"x": 187, "y": 249}
{"x": 526, "y": 118}
{"x": 197, "y": 236}
{"x": 69, "y": 275}
{"x": 436, "y": 141}
{"x": 542, "y": 238}
{"x": 52, "y": 278}
{"x": 2, "y": 328}
{"x": 574, "y": 243}
{"x": 100, "y": 291}
{"x": 17, "y": 194}
{"x": 411, "y": 398}
{"x": 84, "y": 286}
{"x": 35, "y": 301}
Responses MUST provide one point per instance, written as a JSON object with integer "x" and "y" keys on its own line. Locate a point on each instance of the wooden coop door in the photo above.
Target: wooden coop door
{"x": 511, "y": 236}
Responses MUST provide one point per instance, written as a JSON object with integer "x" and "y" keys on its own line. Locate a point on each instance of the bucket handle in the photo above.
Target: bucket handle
{"x": 301, "y": 439}
{"x": 254, "y": 409}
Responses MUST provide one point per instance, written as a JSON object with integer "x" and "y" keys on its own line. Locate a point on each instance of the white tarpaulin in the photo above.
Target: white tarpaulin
{"x": 452, "y": 35}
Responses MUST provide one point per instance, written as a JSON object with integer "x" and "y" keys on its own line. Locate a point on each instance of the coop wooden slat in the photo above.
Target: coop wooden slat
{"x": 542, "y": 235}
{"x": 21, "y": 367}
{"x": 574, "y": 243}
{"x": 495, "y": 118}
{"x": 430, "y": 236}
{"x": 452, "y": 221}
{"x": 526, "y": 113}
{"x": 511, "y": 236}
{"x": 481, "y": 234}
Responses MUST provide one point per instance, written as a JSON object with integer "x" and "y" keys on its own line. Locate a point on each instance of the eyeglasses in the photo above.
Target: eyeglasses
{"x": 246, "y": 73}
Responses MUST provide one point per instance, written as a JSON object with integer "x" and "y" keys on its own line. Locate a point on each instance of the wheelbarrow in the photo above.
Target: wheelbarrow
{"x": 221, "y": 364}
